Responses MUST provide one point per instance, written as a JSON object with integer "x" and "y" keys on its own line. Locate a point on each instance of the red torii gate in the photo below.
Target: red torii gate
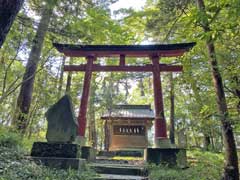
{"x": 154, "y": 52}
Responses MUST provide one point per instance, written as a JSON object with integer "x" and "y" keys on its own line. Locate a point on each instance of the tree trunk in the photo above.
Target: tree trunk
{"x": 195, "y": 137}
{"x": 117, "y": 87}
{"x": 231, "y": 171}
{"x": 141, "y": 86}
{"x": 108, "y": 90}
{"x": 237, "y": 92}
{"x": 212, "y": 142}
{"x": 25, "y": 95}
{"x": 61, "y": 78}
{"x": 172, "y": 122}
{"x": 126, "y": 86}
{"x": 8, "y": 12}
{"x": 207, "y": 142}
{"x": 69, "y": 80}
{"x": 91, "y": 112}
{"x": 106, "y": 136}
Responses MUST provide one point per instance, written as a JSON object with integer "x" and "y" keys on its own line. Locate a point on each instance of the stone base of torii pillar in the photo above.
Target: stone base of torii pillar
{"x": 163, "y": 143}
{"x": 87, "y": 152}
{"x": 80, "y": 140}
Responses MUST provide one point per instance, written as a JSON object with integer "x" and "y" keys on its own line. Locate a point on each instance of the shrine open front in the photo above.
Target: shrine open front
{"x": 153, "y": 52}
{"x": 128, "y": 126}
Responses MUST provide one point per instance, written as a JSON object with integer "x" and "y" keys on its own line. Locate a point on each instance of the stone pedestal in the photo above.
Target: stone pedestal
{"x": 65, "y": 150}
{"x": 166, "y": 156}
{"x": 60, "y": 163}
{"x": 163, "y": 143}
{"x": 88, "y": 153}
{"x": 58, "y": 155}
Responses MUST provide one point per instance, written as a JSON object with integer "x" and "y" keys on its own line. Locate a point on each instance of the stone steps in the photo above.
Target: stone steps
{"x": 119, "y": 169}
{"x": 129, "y": 153}
{"x": 111, "y": 169}
{"x": 109, "y": 160}
{"x": 119, "y": 177}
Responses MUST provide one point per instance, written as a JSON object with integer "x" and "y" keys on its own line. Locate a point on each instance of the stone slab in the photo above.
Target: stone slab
{"x": 166, "y": 156}
{"x": 62, "y": 123}
{"x": 120, "y": 169}
{"x": 126, "y": 153}
{"x": 64, "y": 150}
{"x": 60, "y": 163}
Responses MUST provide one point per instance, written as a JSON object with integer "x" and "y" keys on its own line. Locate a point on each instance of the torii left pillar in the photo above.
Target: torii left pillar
{"x": 82, "y": 119}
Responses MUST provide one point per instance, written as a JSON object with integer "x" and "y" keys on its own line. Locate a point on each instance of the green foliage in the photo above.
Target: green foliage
{"x": 195, "y": 102}
{"x": 9, "y": 138}
{"x": 161, "y": 21}
{"x": 203, "y": 166}
{"x": 27, "y": 142}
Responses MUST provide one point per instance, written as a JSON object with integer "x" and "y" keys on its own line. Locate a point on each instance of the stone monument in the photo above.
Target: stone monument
{"x": 62, "y": 124}
{"x": 59, "y": 151}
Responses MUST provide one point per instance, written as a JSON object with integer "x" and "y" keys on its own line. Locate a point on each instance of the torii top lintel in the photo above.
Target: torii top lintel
{"x": 162, "y": 50}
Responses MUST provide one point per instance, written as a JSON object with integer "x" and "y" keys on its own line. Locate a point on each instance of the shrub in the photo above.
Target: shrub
{"x": 207, "y": 166}
{"x": 8, "y": 138}
{"x": 164, "y": 173}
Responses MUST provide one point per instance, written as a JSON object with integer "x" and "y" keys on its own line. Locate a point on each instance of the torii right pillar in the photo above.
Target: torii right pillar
{"x": 161, "y": 140}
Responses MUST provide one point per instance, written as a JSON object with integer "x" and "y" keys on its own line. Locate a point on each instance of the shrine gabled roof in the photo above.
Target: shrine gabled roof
{"x": 129, "y": 112}
{"x": 163, "y": 50}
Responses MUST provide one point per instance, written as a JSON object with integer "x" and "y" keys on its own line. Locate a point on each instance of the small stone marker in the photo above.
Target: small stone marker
{"x": 62, "y": 124}
{"x": 182, "y": 139}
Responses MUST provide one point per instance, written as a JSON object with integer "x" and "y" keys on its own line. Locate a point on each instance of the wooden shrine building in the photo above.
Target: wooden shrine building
{"x": 153, "y": 52}
{"x": 128, "y": 126}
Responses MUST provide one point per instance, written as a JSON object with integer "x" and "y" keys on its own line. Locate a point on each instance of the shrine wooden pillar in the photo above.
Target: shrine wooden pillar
{"x": 160, "y": 122}
{"x": 82, "y": 119}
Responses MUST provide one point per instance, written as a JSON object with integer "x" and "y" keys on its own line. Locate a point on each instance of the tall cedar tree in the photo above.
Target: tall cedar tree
{"x": 91, "y": 113}
{"x": 231, "y": 171}
{"x": 60, "y": 84}
{"x": 25, "y": 95}
{"x": 8, "y": 12}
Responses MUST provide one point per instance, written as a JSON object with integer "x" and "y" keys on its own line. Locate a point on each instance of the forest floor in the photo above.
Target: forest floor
{"x": 14, "y": 165}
